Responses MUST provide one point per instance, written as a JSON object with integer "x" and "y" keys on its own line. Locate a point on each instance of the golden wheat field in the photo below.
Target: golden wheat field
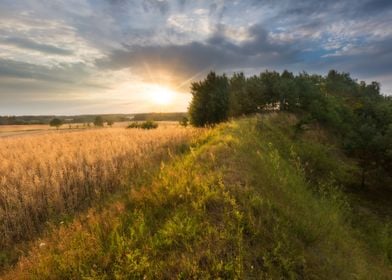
{"x": 51, "y": 174}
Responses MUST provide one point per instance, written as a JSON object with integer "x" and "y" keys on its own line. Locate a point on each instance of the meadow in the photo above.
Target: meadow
{"x": 50, "y": 176}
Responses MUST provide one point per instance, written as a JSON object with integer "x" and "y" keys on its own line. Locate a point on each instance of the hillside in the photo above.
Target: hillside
{"x": 251, "y": 199}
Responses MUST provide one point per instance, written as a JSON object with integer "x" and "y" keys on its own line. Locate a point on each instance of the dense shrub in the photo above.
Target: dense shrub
{"x": 56, "y": 122}
{"x": 98, "y": 121}
{"x": 144, "y": 125}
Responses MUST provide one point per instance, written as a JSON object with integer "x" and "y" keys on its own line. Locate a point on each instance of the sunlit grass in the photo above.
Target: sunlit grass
{"x": 238, "y": 205}
{"x": 54, "y": 175}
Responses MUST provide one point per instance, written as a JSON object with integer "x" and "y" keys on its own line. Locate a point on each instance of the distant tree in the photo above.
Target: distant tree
{"x": 98, "y": 121}
{"x": 149, "y": 125}
{"x": 144, "y": 125}
{"x": 56, "y": 122}
{"x": 210, "y": 102}
{"x": 110, "y": 123}
{"x": 134, "y": 125}
{"x": 184, "y": 122}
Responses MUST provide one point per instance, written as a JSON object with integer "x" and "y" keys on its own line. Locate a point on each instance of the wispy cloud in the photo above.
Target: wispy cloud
{"x": 79, "y": 49}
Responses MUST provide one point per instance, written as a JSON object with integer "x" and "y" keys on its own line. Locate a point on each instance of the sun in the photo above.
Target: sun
{"x": 162, "y": 95}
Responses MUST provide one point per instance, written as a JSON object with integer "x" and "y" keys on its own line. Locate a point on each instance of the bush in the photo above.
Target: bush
{"x": 98, "y": 121}
{"x": 134, "y": 125}
{"x": 56, "y": 122}
{"x": 184, "y": 122}
{"x": 149, "y": 125}
{"x": 144, "y": 125}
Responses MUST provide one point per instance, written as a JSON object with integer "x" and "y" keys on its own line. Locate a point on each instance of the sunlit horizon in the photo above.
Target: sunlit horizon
{"x": 111, "y": 56}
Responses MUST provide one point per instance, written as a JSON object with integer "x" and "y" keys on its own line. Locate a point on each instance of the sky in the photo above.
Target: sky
{"x": 130, "y": 56}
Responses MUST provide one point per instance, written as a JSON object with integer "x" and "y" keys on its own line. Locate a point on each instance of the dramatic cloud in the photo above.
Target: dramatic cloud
{"x": 90, "y": 56}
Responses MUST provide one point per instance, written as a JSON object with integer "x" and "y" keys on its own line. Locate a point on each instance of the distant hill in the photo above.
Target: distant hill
{"x": 45, "y": 119}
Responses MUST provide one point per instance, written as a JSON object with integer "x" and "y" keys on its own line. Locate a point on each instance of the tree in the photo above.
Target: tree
{"x": 110, "y": 123}
{"x": 288, "y": 93}
{"x": 340, "y": 84}
{"x": 269, "y": 93}
{"x": 56, "y": 122}
{"x": 370, "y": 139}
{"x": 308, "y": 87}
{"x": 240, "y": 102}
{"x": 355, "y": 112}
{"x": 184, "y": 122}
{"x": 98, "y": 121}
{"x": 210, "y": 102}
{"x": 255, "y": 97}
{"x": 361, "y": 144}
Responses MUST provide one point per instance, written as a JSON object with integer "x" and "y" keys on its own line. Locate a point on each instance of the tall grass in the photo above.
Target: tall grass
{"x": 55, "y": 174}
{"x": 241, "y": 204}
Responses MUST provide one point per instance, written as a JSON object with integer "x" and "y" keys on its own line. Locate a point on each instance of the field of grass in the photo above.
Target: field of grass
{"x": 27, "y": 130}
{"x": 15, "y": 128}
{"x": 53, "y": 175}
{"x": 250, "y": 199}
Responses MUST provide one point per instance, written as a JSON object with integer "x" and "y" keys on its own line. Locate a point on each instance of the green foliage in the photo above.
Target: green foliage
{"x": 210, "y": 101}
{"x": 184, "y": 122}
{"x": 98, "y": 121}
{"x": 56, "y": 122}
{"x": 370, "y": 139}
{"x": 240, "y": 102}
{"x": 134, "y": 125}
{"x": 355, "y": 112}
{"x": 144, "y": 125}
{"x": 149, "y": 125}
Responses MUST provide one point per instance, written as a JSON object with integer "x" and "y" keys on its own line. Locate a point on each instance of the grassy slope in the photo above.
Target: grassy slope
{"x": 243, "y": 203}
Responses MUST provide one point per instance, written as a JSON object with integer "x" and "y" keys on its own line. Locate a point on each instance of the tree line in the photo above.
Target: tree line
{"x": 98, "y": 121}
{"x": 77, "y": 119}
{"x": 353, "y": 110}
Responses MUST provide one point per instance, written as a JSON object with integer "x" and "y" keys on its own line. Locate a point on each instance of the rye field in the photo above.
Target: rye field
{"x": 50, "y": 176}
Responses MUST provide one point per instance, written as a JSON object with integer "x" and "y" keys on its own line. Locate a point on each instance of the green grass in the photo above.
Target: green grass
{"x": 251, "y": 200}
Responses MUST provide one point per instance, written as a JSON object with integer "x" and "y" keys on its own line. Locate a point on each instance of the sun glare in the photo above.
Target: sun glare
{"x": 161, "y": 95}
